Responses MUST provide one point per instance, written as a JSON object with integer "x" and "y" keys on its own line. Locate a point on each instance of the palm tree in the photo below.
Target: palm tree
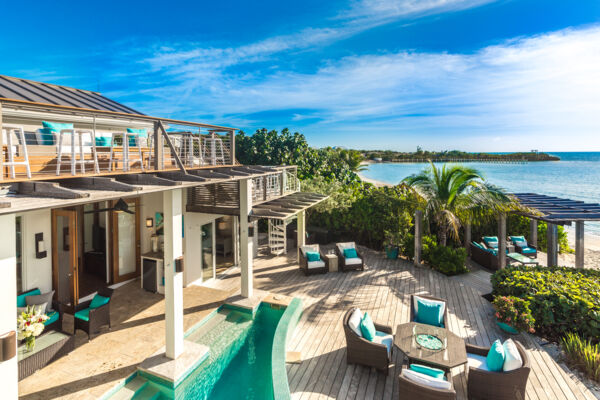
{"x": 454, "y": 193}
{"x": 354, "y": 160}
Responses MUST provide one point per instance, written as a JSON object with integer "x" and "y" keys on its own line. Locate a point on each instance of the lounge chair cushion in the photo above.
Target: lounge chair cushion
{"x": 350, "y": 253}
{"x": 512, "y": 359}
{"x": 495, "y": 357}
{"x": 21, "y": 299}
{"x": 430, "y": 312}
{"x": 313, "y": 256}
{"x": 478, "y": 245}
{"x": 315, "y": 264}
{"x": 385, "y": 339}
{"x": 39, "y": 299}
{"x": 141, "y": 133}
{"x": 353, "y": 261}
{"x": 102, "y": 141}
{"x": 52, "y": 317}
{"x": 491, "y": 241}
{"x": 518, "y": 240}
{"x": 528, "y": 250}
{"x": 355, "y": 320}
{"x": 56, "y": 126}
{"x": 426, "y": 380}
{"x": 424, "y": 369}
{"x": 99, "y": 301}
{"x": 83, "y": 314}
{"x": 476, "y": 361}
{"x": 367, "y": 327}
{"x": 46, "y": 137}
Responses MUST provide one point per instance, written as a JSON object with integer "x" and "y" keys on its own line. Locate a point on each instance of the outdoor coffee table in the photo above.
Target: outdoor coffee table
{"x": 453, "y": 354}
{"x": 48, "y": 347}
{"x": 521, "y": 259}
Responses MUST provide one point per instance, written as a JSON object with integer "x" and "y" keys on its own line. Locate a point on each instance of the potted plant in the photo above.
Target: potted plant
{"x": 30, "y": 324}
{"x": 513, "y": 314}
{"x": 391, "y": 245}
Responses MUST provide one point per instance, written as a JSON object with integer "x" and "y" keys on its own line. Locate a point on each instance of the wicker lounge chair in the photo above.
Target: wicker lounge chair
{"x": 362, "y": 351}
{"x": 347, "y": 264}
{"x": 487, "y": 385}
{"x": 521, "y": 246}
{"x": 409, "y": 389}
{"x": 412, "y": 307}
{"x": 312, "y": 267}
{"x": 483, "y": 256}
{"x": 97, "y": 317}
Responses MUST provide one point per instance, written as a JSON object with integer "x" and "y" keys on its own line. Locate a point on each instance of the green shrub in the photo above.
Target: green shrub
{"x": 561, "y": 299}
{"x": 583, "y": 355}
{"x": 447, "y": 260}
{"x": 407, "y": 248}
{"x": 515, "y": 312}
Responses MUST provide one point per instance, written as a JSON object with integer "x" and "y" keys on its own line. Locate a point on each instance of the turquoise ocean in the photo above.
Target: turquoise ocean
{"x": 575, "y": 176}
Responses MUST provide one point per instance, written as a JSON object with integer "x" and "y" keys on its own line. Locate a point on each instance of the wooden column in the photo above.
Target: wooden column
{"x": 159, "y": 160}
{"x": 579, "y": 244}
{"x": 552, "y": 243}
{"x": 300, "y": 231}
{"x": 1, "y": 147}
{"x": 418, "y": 236}
{"x": 246, "y": 246}
{"x": 8, "y": 298}
{"x": 236, "y": 240}
{"x": 232, "y": 145}
{"x": 533, "y": 239}
{"x": 468, "y": 238}
{"x": 502, "y": 241}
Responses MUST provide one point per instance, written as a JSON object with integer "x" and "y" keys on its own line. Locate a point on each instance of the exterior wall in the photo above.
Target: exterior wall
{"x": 150, "y": 204}
{"x": 37, "y": 272}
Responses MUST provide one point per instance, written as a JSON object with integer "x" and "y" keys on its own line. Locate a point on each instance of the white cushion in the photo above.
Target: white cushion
{"x": 309, "y": 248}
{"x": 354, "y": 321}
{"x": 426, "y": 380}
{"x": 386, "y": 339}
{"x": 353, "y": 261}
{"x": 315, "y": 264}
{"x": 477, "y": 361}
{"x": 416, "y": 304}
{"x": 345, "y": 245}
{"x": 512, "y": 358}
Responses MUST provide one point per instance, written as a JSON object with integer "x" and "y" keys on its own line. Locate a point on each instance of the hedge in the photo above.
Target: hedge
{"x": 561, "y": 299}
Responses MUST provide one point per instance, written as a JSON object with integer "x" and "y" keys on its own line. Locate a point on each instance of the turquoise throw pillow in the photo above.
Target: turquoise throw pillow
{"x": 367, "y": 327}
{"x": 102, "y": 141}
{"x": 350, "y": 253}
{"x": 313, "y": 256}
{"x": 429, "y": 313}
{"x": 56, "y": 126}
{"x": 47, "y": 137}
{"x": 491, "y": 241}
{"x": 424, "y": 369}
{"x": 141, "y": 133}
{"x": 99, "y": 301}
{"x": 495, "y": 357}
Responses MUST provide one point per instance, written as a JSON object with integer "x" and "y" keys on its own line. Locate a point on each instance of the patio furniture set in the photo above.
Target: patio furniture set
{"x": 346, "y": 257}
{"x": 54, "y": 343}
{"x": 432, "y": 351}
{"x": 518, "y": 251}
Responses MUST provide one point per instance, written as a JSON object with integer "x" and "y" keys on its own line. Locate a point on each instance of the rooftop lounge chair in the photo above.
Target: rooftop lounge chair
{"x": 413, "y": 385}
{"x": 414, "y": 306}
{"x": 377, "y": 353}
{"x": 92, "y": 314}
{"x": 347, "y": 263}
{"x": 522, "y": 247}
{"x": 487, "y": 385}
{"x": 319, "y": 266}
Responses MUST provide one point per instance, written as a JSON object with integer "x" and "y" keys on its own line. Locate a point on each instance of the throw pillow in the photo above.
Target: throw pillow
{"x": 350, "y": 253}
{"x": 429, "y": 312}
{"x": 56, "y": 126}
{"x": 354, "y": 321}
{"x": 512, "y": 357}
{"x": 367, "y": 327}
{"x": 41, "y": 299}
{"x": 141, "y": 134}
{"x": 495, "y": 357}
{"x": 426, "y": 380}
{"x": 424, "y": 369}
{"x": 99, "y": 301}
{"x": 491, "y": 241}
{"x": 21, "y": 299}
{"x": 313, "y": 256}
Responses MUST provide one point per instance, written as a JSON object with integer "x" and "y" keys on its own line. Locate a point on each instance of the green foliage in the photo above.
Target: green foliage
{"x": 582, "y": 354}
{"x": 561, "y": 299}
{"x": 420, "y": 154}
{"x": 515, "y": 312}
{"x": 447, "y": 260}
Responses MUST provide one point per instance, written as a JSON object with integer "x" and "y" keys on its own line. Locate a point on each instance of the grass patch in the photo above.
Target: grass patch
{"x": 583, "y": 355}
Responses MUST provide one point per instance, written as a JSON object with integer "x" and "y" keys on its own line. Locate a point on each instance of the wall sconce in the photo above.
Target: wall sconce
{"x": 8, "y": 345}
{"x": 149, "y": 222}
{"x": 40, "y": 246}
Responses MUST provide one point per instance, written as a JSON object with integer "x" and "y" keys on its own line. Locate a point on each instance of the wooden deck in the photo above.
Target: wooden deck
{"x": 383, "y": 290}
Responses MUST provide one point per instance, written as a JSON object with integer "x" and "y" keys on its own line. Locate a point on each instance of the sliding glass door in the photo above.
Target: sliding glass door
{"x": 125, "y": 234}
{"x": 208, "y": 251}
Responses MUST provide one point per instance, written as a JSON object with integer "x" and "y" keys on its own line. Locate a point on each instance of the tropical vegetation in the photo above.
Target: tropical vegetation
{"x": 453, "y": 155}
{"x": 514, "y": 312}
{"x": 582, "y": 354}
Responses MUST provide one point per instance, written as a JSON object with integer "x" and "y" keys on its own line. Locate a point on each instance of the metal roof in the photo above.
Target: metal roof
{"x": 46, "y": 93}
{"x": 287, "y": 206}
{"x": 559, "y": 210}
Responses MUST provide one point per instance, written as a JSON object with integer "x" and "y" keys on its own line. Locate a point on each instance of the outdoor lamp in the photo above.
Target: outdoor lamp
{"x": 149, "y": 222}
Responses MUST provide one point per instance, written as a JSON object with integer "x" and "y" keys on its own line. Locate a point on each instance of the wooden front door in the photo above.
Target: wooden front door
{"x": 64, "y": 256}
{"x": 125, "y": 242}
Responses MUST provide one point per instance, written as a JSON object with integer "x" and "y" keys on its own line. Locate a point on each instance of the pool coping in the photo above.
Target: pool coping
{"x": 283, "y": 333}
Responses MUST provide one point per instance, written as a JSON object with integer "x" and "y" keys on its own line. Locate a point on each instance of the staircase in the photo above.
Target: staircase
{"x": 277, "y": 239}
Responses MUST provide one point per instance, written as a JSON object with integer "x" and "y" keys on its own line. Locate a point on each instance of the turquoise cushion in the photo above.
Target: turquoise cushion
{"x": 313, "y": 256}
{"x": 491, "y": 241}
{"x": 518, "y": 239}
{"x": 528, "y": 250}
{"x": 56, "y": 126}
{"x": 424, "y": 369}
{"x": 83, "y": 314}
{"x": 141, "y": 133}
{"x": 99, "y": 301}
{"x": 350, "y": 253}
{"x": 21, "y": 302}
{"x": 102, "y": 141}
{"x": 429, "y": 313}
{"x": 53, "y": 317}
{"x": 367, "y": 327}
{"x": 46, "y": 137}
{"x": 478, "y": 245}
{"x": 495, "y": 357}
{"x": 494, "y": 252}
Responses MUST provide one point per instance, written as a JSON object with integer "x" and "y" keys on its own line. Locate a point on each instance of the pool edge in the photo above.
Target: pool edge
{"x": 283, "y": 333}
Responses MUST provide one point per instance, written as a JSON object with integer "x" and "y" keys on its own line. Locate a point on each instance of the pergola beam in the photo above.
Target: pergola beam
{"x": 98, "y": 183}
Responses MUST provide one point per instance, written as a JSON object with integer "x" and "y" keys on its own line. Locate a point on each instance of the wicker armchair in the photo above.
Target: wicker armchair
{"x": 413, "y": 390}
{"x": 303, "y": 262}
{"x": 412, "y": 308}
{"x": 487, "y": 385}
{"x": 54, "y": 323}
{"x": 362, "y": 351}
{"x": 344, "y": 263}
{"x": 97, "y": 316}
{"x": 484, "y": 257}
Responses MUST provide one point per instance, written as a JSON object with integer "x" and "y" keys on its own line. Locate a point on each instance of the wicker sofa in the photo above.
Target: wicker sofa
{"x": 412, "y": 307}
{"x": 409, "y": 389}
{"x": 97, "y": 317}
{"x": 484, "y": 257}
{"x": 54, "y": 322}
{"x": 312, "y": 267}
{"x": 362, "y": 351}
{"x": 348, "y": 264}
{"x": 487, "y": 385}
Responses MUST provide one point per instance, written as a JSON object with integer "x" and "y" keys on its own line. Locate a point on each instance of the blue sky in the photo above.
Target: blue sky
{"x": 476, "y": 75}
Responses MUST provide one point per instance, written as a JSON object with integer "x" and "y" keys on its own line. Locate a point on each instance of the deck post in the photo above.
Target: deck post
{"x": 173, "y": 210}
{"x": 552, "y": 244}
{"x": 579, "y": 244}
{"x": 232, "y": 146}
{"x": 246, "y": 245}
{"x": 236, "y": 237}
{"x": 468, "y": 237}
{"x": 301, "y": 232}
{"x": 159, "y": 160}
{"x": 533, "y": 234}
{"x": 418, "y": 236}
{"x": 502, "y": 240}
{"x": 1, "y": 147}
{"x": 8, "y": 296}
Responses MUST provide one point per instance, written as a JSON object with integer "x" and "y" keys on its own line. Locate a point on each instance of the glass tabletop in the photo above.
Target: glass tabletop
{"x": 41, "y": 342}
{"x": 521, "y": 258}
